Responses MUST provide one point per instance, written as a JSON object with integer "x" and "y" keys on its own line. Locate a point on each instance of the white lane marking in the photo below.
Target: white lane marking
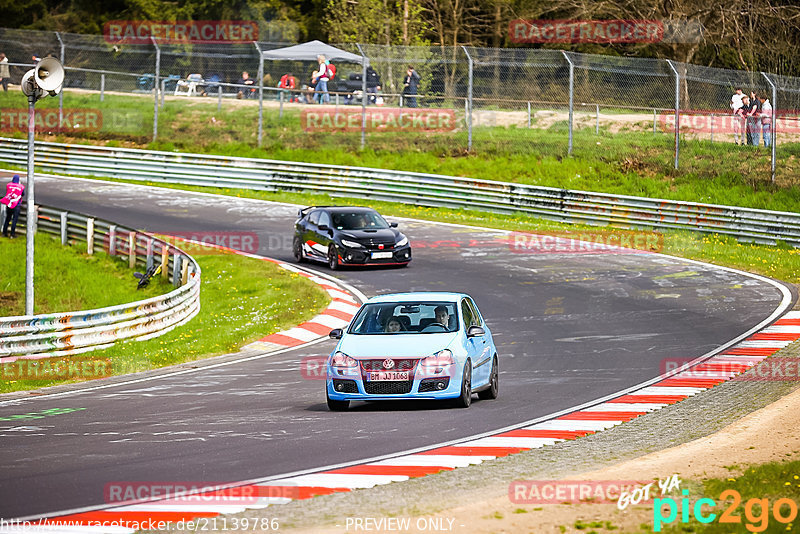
{"x": 511, "y": 442}
{"x": 625, "y": 407}
{"x": 764, "y": 344}
{"x": 708, "y": 375}
{"x": 792, "y": 315}
{"x": 335, "y": 480}
{"x": 669, "y": 390}
{"x": 782, "y": 329}
{"x": 337, "y": 294}
{"x": 329, "y": 320}
{"x": 299, "y": 333}
{"x": 439, "y": 460}
{"x": 577, "y": 424}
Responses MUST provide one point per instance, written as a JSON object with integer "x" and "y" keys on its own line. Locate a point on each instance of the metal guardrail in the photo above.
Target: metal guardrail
{"x": 82, "y": 331}
{"x": 563, "y": 205}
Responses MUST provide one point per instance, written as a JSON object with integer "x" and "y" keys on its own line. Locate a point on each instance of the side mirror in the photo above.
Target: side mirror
{"x": 336, "y": 333}
{"x": 324, "y": 227}
{"x": 475, "y": 331}
{"x": 393, "y": 225}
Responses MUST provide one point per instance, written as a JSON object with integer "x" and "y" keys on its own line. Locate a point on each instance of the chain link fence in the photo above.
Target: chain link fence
{"x": 507, "y": 101}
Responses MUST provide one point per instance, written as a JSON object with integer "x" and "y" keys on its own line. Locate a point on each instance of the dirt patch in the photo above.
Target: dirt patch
{"x": 9, "y": 301}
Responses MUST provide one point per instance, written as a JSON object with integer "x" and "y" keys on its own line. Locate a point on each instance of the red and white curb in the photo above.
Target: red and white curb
{"x": 587, "y": 420}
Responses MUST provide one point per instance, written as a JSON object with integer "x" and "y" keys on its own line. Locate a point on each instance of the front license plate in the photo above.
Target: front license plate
{"x": 386, "y": 376}
{"x": 381, "y": 255}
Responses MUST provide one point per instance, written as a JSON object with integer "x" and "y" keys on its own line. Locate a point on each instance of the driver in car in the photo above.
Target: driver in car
{"x": 442, "y": 317}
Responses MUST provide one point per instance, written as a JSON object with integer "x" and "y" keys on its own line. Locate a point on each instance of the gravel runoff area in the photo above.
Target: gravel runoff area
{"x": 483, "y": 489}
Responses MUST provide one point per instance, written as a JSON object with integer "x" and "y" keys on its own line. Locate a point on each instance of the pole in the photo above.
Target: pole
{"x": 155, "y": 89}
{"x": 774, "y": 123}
{"x": 363, "y": 96}
{"x": 712, "y": 127}
{"x": 102, "y": 86}
{"x": 677, "y": 112}
{"x": 469, "y": 100}
{"x": 30, "y": 223}
{"x": 61, "y": 93}
{"x": 571, "y": 98}
{"x": 529, "y": 114}
{"x": 219, "y": 97}
{"x": 260, "y": 93}
{"x": 597, "y": 119}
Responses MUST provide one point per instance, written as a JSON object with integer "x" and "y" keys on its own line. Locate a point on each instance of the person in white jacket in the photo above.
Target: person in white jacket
{"x": 738, "y": 119}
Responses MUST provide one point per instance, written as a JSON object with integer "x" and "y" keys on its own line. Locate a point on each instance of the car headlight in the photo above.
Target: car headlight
{"x": 340, "y": 359}
{"x": 402, "y": 242}
{"x": 351, "y": 244}
{"x": 438, "y": 362}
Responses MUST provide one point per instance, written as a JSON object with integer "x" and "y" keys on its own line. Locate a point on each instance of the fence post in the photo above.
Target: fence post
{"x": 132, "y": 250}
{"x": 529, "y": 114}
{"x": 280, "y": 108}
{"x": 571, "y": 98}
{"x": 363, "y": 96}
{"x": 163, "y": 92}
{"x": 712, "y": 127}
{"x": 654, "y": 121}
{"x": 61, "y": 93}
{"x": 677, "y": 112}
{"x": 155, "y": 88}
{"x": 260, "y": 93}
{"x": 102, "y": 86}
{"x": 90, "y": 236}
{"x": 165, "y": 261}
{"x": 774, "y": 123}
{"x": 176, "y": 269}
{"x": 64, "y": 228}
{"x": 597, "y": 119}
{"x": 112, "y": 240}
{"x": 468, "y": 102}
{"x": 149, "y": 250}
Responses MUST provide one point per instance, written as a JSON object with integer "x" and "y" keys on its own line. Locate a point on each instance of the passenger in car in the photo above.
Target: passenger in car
{"x": 394, "y": 325}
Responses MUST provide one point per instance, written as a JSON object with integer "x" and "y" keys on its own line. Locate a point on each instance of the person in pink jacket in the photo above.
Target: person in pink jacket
{"x": 15, "y": 192}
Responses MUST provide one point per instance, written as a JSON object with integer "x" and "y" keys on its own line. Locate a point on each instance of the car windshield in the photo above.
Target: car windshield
{"x": 388, "y": 318}
{"x": 360, "y": 220}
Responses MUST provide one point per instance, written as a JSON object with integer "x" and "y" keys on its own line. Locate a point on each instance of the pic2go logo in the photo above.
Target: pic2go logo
{"x": 756, "y": 511}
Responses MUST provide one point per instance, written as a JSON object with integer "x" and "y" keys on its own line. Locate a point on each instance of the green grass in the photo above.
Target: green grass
{"x": 66, "y": 278}
{"x": 242, "y": 300}
{"x": 771, "y": 481}
{"x": 627, "y": 162}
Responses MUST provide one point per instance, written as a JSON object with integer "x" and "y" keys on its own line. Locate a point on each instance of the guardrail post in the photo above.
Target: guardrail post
{"x": 112, "y": 240}
{"x": 132, "y": 250}
{"x": 90, "y": 236}
{"x": 102, "y": 86}
{"x": 165, "y": 260}
{"x": 773, "y": 122}
{"x": 184, "y": 272}
{"x": 363, "y": 96}
{"x": 155, "y": 88}
{"x": 260, "y": 93}
{"x": 149, "y": 252}
{"x": 64, "y": 240}
{"x": 176, "y": 269}
{"x": 571, "y": 99}
{"x": 677, "y": 112}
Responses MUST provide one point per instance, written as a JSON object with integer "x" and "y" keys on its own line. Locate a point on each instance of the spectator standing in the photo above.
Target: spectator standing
{"x": 411, "y": 86}
{"x": 245, "y": 92}
{"x": 738, "y": 118}
{"x": 4, "y": 74}
{"x": 287, "y": 83}
{"x": 753, "y": 120}
{"x": 15, "y": 192}
{"x": 322, "y": 75}
{"x": 766, "y": 120}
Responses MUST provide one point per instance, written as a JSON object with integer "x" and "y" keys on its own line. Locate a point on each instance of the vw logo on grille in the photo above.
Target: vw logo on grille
{"x": 388, "y": 363}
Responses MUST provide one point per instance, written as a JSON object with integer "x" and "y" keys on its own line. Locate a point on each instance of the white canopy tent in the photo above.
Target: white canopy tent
{"x": 309, "y": 52}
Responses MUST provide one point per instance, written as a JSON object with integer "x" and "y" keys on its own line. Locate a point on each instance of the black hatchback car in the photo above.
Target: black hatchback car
{"x": 344, "y": 235}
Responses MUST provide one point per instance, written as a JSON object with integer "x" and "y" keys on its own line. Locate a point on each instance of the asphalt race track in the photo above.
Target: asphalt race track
{"x": 569, "y": 328}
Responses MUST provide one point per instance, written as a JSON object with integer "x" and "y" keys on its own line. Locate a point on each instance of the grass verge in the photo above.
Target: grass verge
{"x": 242, "y": 300}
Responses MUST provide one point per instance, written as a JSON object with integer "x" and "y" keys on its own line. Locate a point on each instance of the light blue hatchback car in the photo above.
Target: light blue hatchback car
{"x": 421, "y": 345}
